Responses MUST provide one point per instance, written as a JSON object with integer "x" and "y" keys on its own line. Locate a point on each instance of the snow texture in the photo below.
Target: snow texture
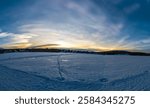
{"x": 70, "y": 71}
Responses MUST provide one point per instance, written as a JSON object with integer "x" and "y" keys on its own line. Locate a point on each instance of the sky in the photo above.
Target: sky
{"x": 81, "y": 24}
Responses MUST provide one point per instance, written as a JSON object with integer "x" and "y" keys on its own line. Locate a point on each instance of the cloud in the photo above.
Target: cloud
{"x": 74, "y": 23}
{"x": 12, "y": 39}
{"x": 116, "y": 1}
{"x": 94, "y": 35}
{"x": 132, "y": 8}
{"x": 71, "y": 23}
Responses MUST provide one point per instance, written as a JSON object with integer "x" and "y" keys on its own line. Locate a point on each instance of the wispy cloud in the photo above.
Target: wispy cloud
{"x": 74, "y": 24}
{"x": 18, "y": 40}
{"x": 81, "y": 27}
{"x": 132, "y": 8}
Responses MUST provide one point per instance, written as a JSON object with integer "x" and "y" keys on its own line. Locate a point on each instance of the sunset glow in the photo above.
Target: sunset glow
{"x": 91, "y": 24}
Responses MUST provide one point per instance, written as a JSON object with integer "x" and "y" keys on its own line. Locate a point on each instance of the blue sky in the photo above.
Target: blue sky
{"x": 88, "y": 24}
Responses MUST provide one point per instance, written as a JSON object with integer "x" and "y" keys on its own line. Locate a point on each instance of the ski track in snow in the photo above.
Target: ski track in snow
{"x": 65, "y": 71}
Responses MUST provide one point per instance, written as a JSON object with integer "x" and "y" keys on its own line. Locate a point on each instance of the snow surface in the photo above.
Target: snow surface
{"x": 72, "y": 71}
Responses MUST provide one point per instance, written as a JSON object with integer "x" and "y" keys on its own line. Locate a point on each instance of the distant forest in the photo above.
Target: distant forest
{"x": 113, "y": 52}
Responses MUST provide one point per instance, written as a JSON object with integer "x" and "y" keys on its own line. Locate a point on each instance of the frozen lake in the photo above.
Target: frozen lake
{"x": 72, "y": 71}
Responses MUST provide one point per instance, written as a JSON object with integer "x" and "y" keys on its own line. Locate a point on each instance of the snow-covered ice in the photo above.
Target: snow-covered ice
{"x": 73, "y": 71}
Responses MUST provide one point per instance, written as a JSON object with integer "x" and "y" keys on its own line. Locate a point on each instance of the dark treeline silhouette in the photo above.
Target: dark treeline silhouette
{"x": 113, "y": 52}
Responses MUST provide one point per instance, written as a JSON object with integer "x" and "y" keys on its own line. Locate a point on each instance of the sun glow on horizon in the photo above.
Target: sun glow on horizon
{"x": 76, "y": 24}
{"x": 78, "y": 44}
